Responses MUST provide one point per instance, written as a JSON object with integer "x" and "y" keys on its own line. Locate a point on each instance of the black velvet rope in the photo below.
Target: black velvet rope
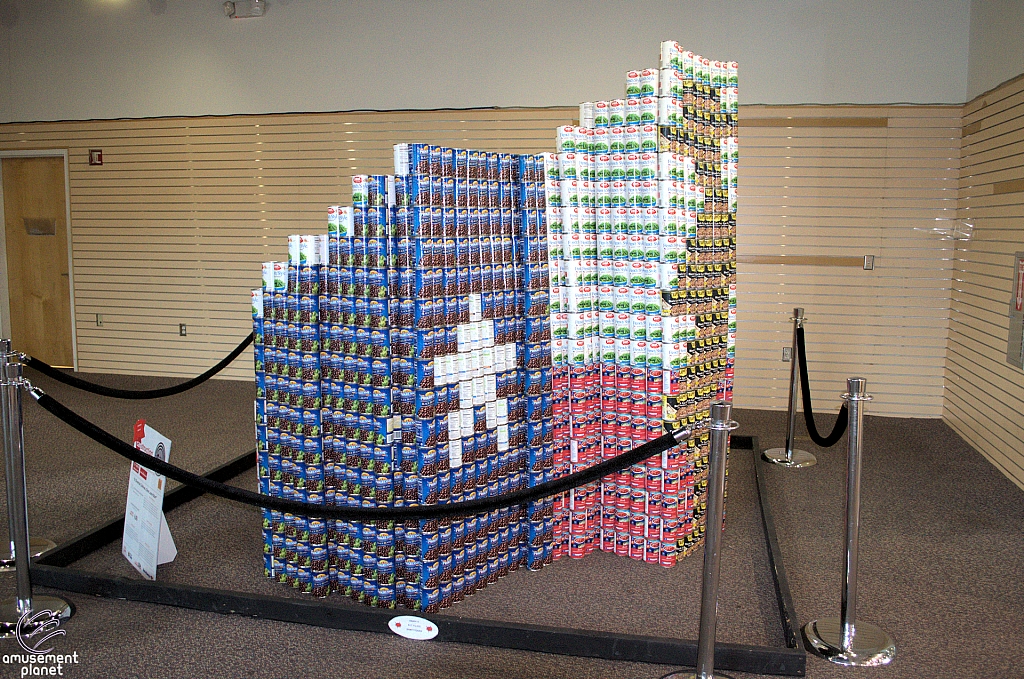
{"x": 554, "y": 487}
{"x": 840, "y": 427}
{"x": 99, "y": 389}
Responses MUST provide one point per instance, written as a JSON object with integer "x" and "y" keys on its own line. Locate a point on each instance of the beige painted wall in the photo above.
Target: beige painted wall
{"x": 985, "y": 395}
{"x": 102, "y": 59}
{"x": 995, "y": 50}
{"x": 847, "y": 182}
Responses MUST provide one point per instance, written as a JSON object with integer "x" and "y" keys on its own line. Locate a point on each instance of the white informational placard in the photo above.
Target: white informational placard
{"x": 147, "y": 541}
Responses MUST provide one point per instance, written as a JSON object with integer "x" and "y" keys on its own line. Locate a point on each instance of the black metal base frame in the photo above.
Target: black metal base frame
{"x": 52, "y": 570}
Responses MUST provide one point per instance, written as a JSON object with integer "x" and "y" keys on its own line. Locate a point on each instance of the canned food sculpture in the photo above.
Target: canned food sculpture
{"x": 480, "y": 322}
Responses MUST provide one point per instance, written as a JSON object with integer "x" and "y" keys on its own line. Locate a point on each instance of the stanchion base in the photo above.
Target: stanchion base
{"x": 694, "y": 675}
{"x": 36, "y": 546}
{"x": 801, "y": 458}
{"x": 9, "y": 615}
{"x": 871, "y": 645}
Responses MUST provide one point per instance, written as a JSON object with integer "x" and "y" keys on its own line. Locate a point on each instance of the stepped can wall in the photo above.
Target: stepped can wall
{"x": 480, "y": 322}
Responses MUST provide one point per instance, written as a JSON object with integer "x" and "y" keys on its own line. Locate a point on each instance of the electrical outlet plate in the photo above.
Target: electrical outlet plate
{"x": 787, "y": 354}
{"x": 99, "y": 320}
{"x": 182, "y": 330}
{"x": 869, "y": 262}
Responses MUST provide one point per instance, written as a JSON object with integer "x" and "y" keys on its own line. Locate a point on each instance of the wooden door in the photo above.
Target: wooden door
{"x": 35, "y": 215}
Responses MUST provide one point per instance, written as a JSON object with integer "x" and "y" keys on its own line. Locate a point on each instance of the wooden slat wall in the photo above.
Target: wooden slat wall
{"x": 173, "y": 227}
{"x": 830, "y": 182}
{"x": 985, "y": 394}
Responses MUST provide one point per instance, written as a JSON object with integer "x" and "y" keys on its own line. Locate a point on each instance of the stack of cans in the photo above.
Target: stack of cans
{"x": 482, "y": 322}
{"x": 286, "y": 323}
{"x": 404, "y": 359}
{"x": 641, "y": 212}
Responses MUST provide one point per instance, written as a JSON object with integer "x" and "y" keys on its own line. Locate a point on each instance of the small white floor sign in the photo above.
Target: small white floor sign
{"x": 147, "y": 541}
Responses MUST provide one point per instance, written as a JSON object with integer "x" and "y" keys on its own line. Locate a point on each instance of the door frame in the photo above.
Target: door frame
{"x": 5, "y": 297}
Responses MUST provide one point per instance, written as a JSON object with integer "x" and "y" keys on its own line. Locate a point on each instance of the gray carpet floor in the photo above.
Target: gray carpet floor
{"x": 941, "y": 553}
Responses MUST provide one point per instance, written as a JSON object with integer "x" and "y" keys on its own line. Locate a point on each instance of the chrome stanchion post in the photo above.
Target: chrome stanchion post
{"x": 788, "y": 457}
{"x": 36, "y": 546}
{"x": 12, "y": 610}
{"x": 843, "y": 640}
{"x": 720, "y": 427}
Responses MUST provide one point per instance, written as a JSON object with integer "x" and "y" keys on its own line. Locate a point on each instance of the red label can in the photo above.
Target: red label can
{"x": 621, "y": 543}
{"x": 655, "y": 381}
{"x": 655, "y": 502}
{"x": 670, "y": 508}
{"x": 668, "y": 554}
{"x": 624, "y": 431}
{"x": 638, "y": 379}
{"x": 654, "y": 429}
{"x": 652, "y": 551}
{"x": 622, "y": 378}
{"x": 654, "y": 527}
{"x": 621, "y": 520}
{"x": 636, "y": 547}
{"x": 577, "y": 545}
{"x": 637, "y": 523}
{"x": 654, "y": 409}
{"x": 579, "y": 498}
{"x": 639, "y": 425}
{"x": 577, "y": 522}
{"x": 639, "y": 401}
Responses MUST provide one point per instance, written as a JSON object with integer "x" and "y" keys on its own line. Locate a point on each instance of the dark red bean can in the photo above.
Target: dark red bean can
{"x": 621, "y": 543}
{"x": 668, "y": 554}
{"x": 638, "y": 379}
{"x": 637, "y": 523}
{"x": 621, "y": 520}
{"x": 654, "y": 527}
{"x": 655, "y": 503}
{"x": 652, "y": 551}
